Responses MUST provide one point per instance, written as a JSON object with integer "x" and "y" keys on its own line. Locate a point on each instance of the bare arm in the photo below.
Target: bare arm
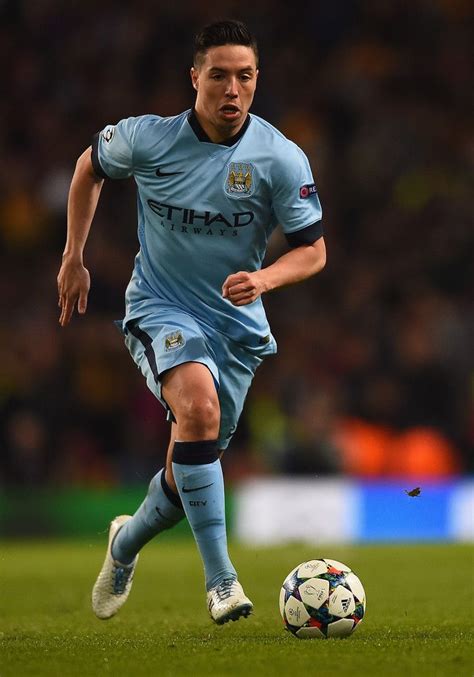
{"x": 73, "y": 277}
{"x": 296, "y": 265}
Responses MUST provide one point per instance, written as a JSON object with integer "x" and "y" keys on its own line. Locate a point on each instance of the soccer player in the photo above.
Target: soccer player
{"x": 213, "y": 183}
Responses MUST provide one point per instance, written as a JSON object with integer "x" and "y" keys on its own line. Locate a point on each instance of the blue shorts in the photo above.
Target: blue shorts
{"x": 162, "y": 340}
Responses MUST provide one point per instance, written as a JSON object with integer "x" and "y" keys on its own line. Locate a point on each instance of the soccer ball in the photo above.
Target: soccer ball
{"x": 322, "y": 598}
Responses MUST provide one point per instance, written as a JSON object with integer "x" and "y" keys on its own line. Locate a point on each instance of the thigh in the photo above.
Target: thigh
{"x": 162, "y": 340}
{"x": 191, "y": 381}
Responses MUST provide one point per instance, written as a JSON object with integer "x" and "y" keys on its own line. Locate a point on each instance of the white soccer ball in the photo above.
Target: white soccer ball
{"x": 322, "y": 598}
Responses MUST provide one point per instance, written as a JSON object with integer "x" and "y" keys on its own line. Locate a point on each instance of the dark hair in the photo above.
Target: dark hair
{"x": 219, "y": 33}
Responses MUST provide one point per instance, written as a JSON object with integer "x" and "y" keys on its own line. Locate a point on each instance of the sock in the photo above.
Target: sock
{"x": 198, "y": 475}
{"x": 160, "y": 510}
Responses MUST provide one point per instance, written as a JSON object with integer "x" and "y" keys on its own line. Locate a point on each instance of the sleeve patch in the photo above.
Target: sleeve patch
{"x": 108, "y": 133}
{"x": 307, "y": 190}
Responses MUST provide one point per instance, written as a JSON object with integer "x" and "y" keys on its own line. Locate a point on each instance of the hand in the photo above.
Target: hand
{"x": 243, "y": 288}
{"x": 73, "y": 286}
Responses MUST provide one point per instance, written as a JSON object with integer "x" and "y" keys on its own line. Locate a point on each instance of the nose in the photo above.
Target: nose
{"x": 231, "y": 90}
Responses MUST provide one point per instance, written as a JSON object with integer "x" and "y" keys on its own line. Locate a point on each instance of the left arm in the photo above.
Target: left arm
{"x": 296, "y": 265}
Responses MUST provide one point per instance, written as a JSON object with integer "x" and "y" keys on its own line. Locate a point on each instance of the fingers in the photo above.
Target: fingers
{"x": 63, "y": 304}
{"x": 82, "y": 304}
{"x": 67, "y": 309}
{"x": 234, "y": 280}
{"x": 241, "y": 293}
{"x": 231, "y": 280}
{"x": 67, "y": 303}
{"x": 73, "y": 287}
{"x": 66, "y": 313}
{"x": 240, "y": 289}
{"x": 245, "y": 301}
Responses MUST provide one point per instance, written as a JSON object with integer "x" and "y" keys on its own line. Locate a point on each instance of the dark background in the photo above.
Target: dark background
{"x": 374, "y": 376}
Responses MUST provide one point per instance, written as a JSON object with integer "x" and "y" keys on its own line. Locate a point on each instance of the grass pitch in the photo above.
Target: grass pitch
{"x": 419, "y": 614}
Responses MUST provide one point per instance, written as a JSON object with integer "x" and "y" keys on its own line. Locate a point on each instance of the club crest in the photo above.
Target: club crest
{"x": 240, "y": 179}
{"x": 174, "y": 341}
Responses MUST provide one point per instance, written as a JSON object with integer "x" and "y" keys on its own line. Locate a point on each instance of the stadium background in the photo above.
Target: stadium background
{"x": 372, "y": 386}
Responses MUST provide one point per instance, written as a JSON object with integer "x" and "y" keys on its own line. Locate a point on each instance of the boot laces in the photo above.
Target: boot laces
{"x": 122, "y": 575}
{"x": 225, "y": 589}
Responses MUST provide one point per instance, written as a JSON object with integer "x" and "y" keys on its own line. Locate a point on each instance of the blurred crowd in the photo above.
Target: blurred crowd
{"x": 374, "y": 374}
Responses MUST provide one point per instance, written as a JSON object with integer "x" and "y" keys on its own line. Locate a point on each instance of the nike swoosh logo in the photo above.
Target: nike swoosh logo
{"x": 187, "y": 491}
{"x": 159, "y": 173}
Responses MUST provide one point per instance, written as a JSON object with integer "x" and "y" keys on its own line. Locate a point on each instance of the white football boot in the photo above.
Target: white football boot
{"x": 114, "y": 582}
{"x": 227, "y": 602}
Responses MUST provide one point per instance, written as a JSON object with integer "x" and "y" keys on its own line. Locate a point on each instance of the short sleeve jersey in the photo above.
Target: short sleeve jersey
{"x": 205, "y": 211}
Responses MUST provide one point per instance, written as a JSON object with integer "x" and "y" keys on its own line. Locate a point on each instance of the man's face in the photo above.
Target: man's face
{"x": 225, "y": 82}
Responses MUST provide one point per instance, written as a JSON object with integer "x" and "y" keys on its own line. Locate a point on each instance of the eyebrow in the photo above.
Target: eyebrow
{"x": 223, "y": 70}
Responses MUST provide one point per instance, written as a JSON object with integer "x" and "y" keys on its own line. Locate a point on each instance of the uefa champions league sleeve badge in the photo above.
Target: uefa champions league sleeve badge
{"x": 108, "y": 133}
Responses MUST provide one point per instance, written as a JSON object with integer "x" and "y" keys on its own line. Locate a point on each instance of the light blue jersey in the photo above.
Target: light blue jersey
{"x": 207, "y": 210}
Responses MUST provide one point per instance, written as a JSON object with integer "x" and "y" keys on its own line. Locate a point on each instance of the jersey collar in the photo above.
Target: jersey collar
{"x": 202, "y": 136}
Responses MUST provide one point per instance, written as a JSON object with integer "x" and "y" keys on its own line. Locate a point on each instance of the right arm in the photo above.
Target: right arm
{"x": 73, "y": 277}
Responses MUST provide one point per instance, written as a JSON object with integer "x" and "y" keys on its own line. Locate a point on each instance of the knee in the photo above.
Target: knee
{"x": 199, "y": 417}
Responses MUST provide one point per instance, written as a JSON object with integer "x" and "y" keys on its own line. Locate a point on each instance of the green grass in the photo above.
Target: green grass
{"x": 419, "y": 614}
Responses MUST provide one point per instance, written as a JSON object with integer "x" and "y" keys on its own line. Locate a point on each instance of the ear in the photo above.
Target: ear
{"x": 194, "y": 77}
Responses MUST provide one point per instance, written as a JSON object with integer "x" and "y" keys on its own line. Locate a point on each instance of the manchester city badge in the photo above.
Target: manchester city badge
{"x": 174, "y": 341}
{"x": 240, "y": 179}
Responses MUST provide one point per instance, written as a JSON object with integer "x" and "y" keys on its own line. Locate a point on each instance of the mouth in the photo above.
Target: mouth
{"x": 229, "y": 111}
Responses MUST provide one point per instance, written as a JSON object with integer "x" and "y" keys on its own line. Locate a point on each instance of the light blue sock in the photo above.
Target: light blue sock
{"x": 160, "y": 510}
{"x": 201, "y": 488}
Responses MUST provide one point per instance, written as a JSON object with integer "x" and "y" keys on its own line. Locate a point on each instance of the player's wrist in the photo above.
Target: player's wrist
{"x": 72, "y": 257}
{"x": 265, "y": 283}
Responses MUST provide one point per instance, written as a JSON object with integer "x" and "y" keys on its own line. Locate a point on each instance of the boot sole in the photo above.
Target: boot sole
{"x": 243, "y": 611}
